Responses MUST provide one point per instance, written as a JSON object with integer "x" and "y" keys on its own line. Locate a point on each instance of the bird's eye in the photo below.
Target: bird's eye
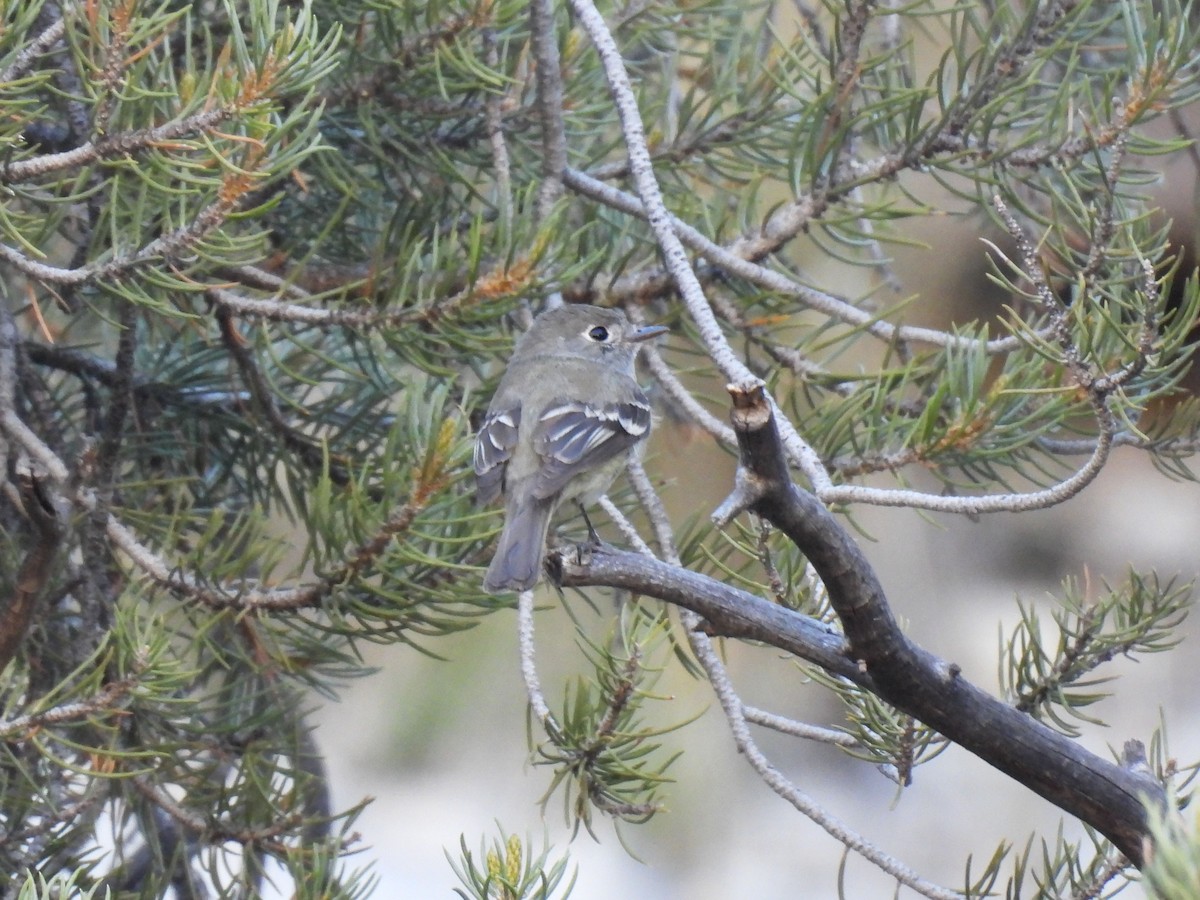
{"x": 598, "y": 333}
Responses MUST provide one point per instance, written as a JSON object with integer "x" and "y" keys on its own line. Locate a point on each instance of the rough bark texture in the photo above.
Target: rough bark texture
{"x": 874, "y": 652}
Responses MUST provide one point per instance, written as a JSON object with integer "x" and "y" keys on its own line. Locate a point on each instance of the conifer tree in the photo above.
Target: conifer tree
{"x": 263, "y": 262}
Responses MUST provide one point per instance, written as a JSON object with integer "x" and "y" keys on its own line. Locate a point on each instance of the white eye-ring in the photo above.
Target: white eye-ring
{"x": 598, "y": 333}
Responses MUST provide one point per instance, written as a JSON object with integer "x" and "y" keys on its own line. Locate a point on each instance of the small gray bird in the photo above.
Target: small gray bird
{"x": 564, "y": 419}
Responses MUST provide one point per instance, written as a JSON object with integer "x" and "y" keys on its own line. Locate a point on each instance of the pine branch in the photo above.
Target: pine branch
{"x": 876, "y": 654}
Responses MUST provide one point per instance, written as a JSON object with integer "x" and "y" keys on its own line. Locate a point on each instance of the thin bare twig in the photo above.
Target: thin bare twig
{"x": 736, "y": 260}
{"x": 624, "y": 526}
{"x": 737, "y": 715}
{"x": 494, "y": 120}
{"x": 910, "y": 678}
{"x": 528, "y": 652}
{"x": 122, "y": 144}
{"x": 660, "y": 221}
{"x": 547, "y": 74}
{"x": 41, "y": 44}
{"x": 167, "y": 246}
{"x": 109, "y": 696}
{"x": 214, "y": 831}
{"x": 804, "y": 730}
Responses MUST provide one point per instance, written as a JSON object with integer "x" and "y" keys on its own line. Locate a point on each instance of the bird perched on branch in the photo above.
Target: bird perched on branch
{"x": 563, "y": 421}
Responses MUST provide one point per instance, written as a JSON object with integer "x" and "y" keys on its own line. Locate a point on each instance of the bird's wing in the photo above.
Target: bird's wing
{"x": 574, "y": 437}
{"x": 494, "y": 447}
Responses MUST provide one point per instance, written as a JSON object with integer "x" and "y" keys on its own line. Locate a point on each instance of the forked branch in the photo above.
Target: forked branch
{"x": 874, "y": 652}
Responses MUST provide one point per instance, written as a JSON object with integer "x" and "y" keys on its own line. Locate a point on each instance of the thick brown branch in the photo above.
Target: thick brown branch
{"x": 876, "y": 654}
{"x": 728, "y": 611}
{"x": 1097, "y": 791}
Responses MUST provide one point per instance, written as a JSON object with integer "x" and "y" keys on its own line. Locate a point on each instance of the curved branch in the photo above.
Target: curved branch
{"x": 735, "y": 713}
{"x": 1100, "y": 792}
{"x": 641, "y": 168}
{"x": 739, "y": 716}
{"x": 727, "y": 611}
{"x": 738, "y": 259}
{"x": 875, "y": 653}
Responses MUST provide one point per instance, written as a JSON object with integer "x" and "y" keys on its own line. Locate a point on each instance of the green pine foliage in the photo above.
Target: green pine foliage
{"x": 262, "y": 263}
{"x": 1174, "y": 872}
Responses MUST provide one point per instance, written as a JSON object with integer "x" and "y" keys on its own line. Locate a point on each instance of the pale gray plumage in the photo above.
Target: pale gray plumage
{"x": 563, "y": 419}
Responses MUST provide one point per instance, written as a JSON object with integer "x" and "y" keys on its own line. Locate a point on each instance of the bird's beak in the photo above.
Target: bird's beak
{"x": 647, "y": 332}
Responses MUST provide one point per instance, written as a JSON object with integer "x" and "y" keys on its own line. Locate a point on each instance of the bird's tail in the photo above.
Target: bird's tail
{"x": 517, "y": 564}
